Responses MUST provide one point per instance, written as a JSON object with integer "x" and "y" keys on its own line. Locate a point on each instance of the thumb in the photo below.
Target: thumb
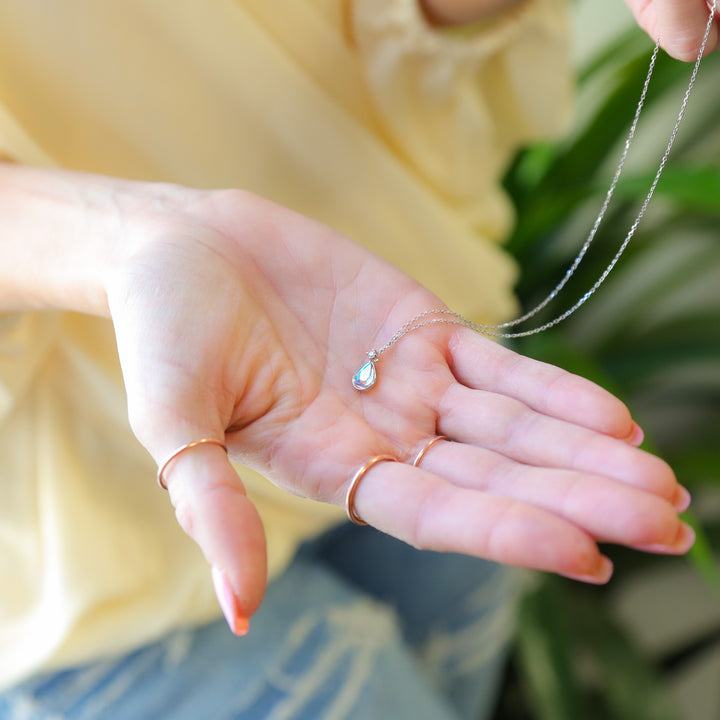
{"x": 679, "y": 25}
{"x": 212, "y": 507}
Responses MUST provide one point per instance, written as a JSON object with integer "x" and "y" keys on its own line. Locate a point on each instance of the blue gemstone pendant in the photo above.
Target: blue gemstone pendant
{"x": 365, "y": 377}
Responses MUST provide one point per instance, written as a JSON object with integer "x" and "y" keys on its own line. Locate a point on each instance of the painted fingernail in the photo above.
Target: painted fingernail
{"x": 636, "y": 436}
{"x": 683, "y": 541}
{"x": 238, "y": 623}
{"x": 599, "y": 576}
{"x": 685, "y": 538}
{"x": 681, "y": 499}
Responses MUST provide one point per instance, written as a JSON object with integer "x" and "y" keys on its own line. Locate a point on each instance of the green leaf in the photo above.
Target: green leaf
{"x": 630, "y": 44}
{"x": 570, "y": 176}
{"x": 546, "y": 656}
{"x": 555, "y": 348}
{"x": 577, "y": 662}
{"x": 632, "y": 685}
{"x": 699, "y": 464}
{"x": 690, "y": 188}
{"x": 701, "y": 554}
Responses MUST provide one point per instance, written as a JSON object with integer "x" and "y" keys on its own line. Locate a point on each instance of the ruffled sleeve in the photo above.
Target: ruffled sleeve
{"x": 457, "y": 103}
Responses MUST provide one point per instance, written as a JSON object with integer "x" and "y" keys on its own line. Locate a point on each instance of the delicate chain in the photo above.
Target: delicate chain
{"x": 603, "y": 209}
{"x": 452, "y": 318}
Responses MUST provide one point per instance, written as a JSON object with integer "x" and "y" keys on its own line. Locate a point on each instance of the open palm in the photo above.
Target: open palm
{"x": 240, "y": 320}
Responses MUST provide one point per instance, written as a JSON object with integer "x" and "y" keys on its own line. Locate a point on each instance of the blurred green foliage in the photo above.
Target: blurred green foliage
{"x": 651, "y": 335}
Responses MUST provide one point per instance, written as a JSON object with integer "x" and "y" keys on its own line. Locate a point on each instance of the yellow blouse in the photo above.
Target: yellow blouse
{"x": 358, "y": 115}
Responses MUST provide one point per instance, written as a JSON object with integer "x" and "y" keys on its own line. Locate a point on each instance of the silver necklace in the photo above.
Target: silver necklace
{"x": 366, "y": 377}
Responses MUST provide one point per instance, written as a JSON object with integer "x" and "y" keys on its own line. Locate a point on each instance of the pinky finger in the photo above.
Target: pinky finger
{"x": 432, "y": 514}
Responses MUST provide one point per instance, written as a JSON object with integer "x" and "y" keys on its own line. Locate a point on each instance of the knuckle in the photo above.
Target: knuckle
{"x": 431, "y": 509}
{"x": 519, "y": 424}
{"x": 503, "y": 539}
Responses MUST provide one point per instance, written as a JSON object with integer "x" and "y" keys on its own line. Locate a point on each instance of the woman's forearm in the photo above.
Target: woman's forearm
{"x": 54, "y": 241}
{"x": 459, "y": 12}
{"x": 64, "y": 233}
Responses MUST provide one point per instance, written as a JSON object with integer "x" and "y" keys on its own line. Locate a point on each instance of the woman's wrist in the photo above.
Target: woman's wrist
{"x": 66, "y": 234}
{"x": 56, "y": 241}
{"x": 461, "y": 12}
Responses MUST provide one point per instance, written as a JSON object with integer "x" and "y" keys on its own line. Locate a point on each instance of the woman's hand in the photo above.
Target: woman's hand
{"x": 241, "y": 320}
{"x": 680, "y": 25}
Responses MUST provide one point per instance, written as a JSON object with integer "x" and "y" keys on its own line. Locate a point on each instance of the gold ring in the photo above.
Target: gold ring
{"x": 426, "y": 447}
{"x": 355, "y": 483}
{"x": 182, "y": 449}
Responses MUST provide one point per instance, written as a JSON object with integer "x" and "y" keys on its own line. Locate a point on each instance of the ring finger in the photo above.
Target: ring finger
{"x": 610, "y": 511}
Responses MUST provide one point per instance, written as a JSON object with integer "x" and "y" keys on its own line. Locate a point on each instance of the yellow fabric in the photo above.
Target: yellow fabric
{"x": 391, "y": 132}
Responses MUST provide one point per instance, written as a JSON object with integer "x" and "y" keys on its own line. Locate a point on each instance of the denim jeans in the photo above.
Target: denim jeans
{"x": 359, "y": 627}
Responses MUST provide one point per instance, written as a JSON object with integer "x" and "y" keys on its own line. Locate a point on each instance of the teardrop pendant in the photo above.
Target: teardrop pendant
{"x": 365, "y": 377}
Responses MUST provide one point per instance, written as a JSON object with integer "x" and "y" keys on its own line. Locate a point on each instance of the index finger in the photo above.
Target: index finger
{"x": 481, "y": 364}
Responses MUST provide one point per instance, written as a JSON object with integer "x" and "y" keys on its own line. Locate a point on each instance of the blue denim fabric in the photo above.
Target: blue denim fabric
{"x": 360, "y": 627}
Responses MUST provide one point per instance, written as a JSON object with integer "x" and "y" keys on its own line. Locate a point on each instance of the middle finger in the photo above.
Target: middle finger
{"x": 509, "y": 427}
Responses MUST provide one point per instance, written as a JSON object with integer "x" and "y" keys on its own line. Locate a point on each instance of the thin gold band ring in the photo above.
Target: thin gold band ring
{"x": 355, "y": 484}
{"x": 182, "y": 449}
{"x": 425, "y": 448}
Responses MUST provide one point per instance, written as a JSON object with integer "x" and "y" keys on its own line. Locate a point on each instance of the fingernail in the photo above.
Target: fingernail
{"x": 683, "y": 541}
{"x": 636, "y": 436}
{"x": 599, "y": 576}
{"x": 681, "y": 499}
{"x": 229, "y": 604}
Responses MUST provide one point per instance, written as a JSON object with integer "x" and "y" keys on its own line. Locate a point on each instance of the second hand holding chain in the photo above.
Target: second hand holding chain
{"x": 366, "y": 377}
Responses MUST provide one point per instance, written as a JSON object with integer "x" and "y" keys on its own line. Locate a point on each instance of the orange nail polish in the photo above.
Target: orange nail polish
{"x": 683, "y": 541}
{"x": 685, "y": 538}
{"x": 604, "y": 570}
{"x": 242, "y": 626}
{"x": 238, "y": 623}
{"x": 636, "y": 436}
{"x": 681, "y": 499}
{"x": 599, "y": 576}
